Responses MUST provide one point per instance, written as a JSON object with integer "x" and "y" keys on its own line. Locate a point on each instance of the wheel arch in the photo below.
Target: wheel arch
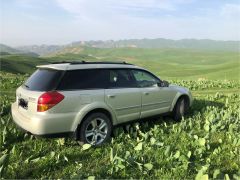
{"x": 99, "y": 110}
{"x": 179, "y": 96}
{"x": 83, "y": 114}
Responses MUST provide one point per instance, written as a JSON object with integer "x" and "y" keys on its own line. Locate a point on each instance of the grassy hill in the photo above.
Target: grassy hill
{"x": 166, "y": 63}
{"x": 7, "y": 49}
{"x": 19, "y": 63}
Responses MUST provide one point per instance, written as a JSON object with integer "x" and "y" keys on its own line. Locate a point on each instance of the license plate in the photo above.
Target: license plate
{"x": 23, "y": 103}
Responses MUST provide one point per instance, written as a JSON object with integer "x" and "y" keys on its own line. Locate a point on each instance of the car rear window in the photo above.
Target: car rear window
{"x": 43, "y": 80}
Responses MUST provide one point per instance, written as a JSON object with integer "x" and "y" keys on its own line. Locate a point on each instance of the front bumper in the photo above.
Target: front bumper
{"x": 190, "y": 98}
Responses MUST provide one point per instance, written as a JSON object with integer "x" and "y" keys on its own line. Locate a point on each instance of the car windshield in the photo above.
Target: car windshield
{"x": 43, "y": 80}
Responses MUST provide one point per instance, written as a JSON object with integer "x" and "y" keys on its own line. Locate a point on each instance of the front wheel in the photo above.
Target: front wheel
{"x": 180, "y": 109}
{"x": 95, "y": 129}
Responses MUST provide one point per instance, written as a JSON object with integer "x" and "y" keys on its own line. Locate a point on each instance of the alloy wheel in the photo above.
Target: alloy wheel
{"x": 96, "y": 131}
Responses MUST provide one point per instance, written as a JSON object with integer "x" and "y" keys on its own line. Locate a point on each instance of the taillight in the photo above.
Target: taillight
{"x": 49, "y": 99}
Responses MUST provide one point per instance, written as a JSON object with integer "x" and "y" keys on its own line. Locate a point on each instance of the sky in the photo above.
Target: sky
{"x": 29, "y": 22}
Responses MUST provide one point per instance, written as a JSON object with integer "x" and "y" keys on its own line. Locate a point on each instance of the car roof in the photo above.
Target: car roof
{"x": 87, "y": 65}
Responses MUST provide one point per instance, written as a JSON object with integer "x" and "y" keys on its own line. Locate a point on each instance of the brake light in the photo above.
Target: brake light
{"x": 49, "y": 99}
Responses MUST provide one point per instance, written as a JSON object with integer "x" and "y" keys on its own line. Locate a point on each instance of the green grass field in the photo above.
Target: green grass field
{"x": 205, "y": 144}
{"x": 166, "y": 63}
{"x": 172, "y": 63}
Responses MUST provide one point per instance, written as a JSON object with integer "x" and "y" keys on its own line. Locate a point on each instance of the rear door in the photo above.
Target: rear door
{"x": 123, "y": 95}
{"x": 80, "y": 88}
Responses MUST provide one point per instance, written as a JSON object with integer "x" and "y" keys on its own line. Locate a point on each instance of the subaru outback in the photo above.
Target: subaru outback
{"x": 86, "y": 99}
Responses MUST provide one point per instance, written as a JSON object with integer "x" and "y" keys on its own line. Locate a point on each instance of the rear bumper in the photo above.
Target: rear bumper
{"x": 46, "y": 125}
{"x": 54, "y": 135}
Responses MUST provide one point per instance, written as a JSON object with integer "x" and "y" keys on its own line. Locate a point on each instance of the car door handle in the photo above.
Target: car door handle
{"x": 146, "y": 93}
{"x": 111, "y": 96}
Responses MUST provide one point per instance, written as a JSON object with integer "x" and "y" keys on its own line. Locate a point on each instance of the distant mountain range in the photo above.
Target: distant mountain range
{"x": 8, "y": 49}
{"x": 42, "y": 49}
{"x": 159, "y": 43}
{"x": 5, "y": 50}
{"x": 203, "y": 44}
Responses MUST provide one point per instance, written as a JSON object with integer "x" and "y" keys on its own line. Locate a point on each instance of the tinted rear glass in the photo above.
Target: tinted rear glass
{"x": 83, "y": 79}
{"x": 43, "y": 80}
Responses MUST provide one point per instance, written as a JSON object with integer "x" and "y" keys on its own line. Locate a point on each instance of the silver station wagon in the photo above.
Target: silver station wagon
{"x": 86, "y": 99}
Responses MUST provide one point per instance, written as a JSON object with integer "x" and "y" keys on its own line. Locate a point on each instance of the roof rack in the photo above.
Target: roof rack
{"x": 63, "y": 62}
{"x": 88, "y": 62}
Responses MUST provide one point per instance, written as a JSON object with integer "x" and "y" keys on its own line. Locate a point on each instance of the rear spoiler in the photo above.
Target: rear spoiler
{"x": 53, "y": 66}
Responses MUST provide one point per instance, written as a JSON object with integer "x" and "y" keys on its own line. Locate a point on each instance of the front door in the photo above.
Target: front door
{"x": 155, "y": 99}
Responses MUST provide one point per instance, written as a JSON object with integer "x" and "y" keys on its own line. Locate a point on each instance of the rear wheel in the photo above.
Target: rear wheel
{"x": 180, "y": 109}
{"x": 95, "y": 129}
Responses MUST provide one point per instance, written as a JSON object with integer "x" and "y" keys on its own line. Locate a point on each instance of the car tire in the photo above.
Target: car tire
{"x": 96, "y": 129}
{"x": 180, "y": 109}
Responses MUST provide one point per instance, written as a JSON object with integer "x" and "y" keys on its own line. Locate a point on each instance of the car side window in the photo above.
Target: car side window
{"x": 83, "y": 79}
{"x": 144, "y": 79}
{"x": 121, "y": 78}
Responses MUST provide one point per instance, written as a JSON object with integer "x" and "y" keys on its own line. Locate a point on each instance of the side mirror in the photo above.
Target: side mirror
{"x": 159, "y": 84}
{"x": 163, "y": 83}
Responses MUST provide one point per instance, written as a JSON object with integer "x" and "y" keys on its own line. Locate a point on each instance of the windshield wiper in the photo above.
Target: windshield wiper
{"x": 26, "y": 86}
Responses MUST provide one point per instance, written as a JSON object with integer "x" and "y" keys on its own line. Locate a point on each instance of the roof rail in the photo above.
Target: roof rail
{"x": 63, "y": 62}
{"x": 89, "y": 62}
